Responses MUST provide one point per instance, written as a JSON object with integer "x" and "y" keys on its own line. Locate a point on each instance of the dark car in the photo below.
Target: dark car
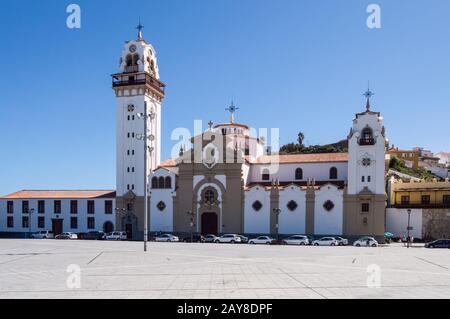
{"x": 94, "y": 235}
{"x": 194, "y": 239}
{"x": 440, "y": 243}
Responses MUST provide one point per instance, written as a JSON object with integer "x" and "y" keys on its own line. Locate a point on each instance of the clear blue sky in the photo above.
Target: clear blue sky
{"x": 294, "y": 64}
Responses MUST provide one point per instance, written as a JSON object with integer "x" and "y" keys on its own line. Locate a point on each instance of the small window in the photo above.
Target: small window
{"x": 299, "y": 174}
{"x": 363, "y": 179}
{"x": 365, "y": 207}
{"x": 405, "y": 200}
{"x": 154, "y": 182}
{"x": 25, "y": 222}
{"x": 41, "y": 222}
{"x": 25, "y": 207}
{"x": 369, "y": 179}
{"x": 128, "y": 169}
{"x": 446, "y": 199}
{"x": 333, "y": 173}
{"x": 57, "y": 206}
{"x": 128, "y": 135}
{"x": 128, "y": 186}
{"x": 91, "y": 223}
{"x": 168, "y": 182}
{"x": 10, "y": 207}
{"x": 367, "y": 137}
{"x": 10, "y": 222}
{"x": 90, "y": 207}
{"x": 74, "y": 207}
{"x": 41, "y": 207}
{"x": 265, "y": 175}
{"x": 426, "y": 199}
{"x": 132, "y": 187}
{"x": 128, "y": 117}
{"x": 132, "y": 152}
{"x": 128, "y": 152}
{"x": 210, "y": 196}
{"x": 161, "y": 182}
{"x": 132, "y": 169}
{"x": 108, "y": 206}
{"x": 73, "y": 222}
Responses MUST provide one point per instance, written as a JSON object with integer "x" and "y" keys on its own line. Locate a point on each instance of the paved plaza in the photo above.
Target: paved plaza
{"x": 39, "y": 269}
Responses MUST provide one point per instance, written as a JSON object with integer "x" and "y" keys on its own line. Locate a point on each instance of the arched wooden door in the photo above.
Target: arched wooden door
{"x": 210, "y": 224}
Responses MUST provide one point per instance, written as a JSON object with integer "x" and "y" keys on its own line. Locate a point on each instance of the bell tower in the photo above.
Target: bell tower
{"x": 365, "y": 198}
{"x": 139, "y": 95}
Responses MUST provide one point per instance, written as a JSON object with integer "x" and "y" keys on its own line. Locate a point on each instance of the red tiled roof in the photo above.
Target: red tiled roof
{"x": 45, "y": 194}
{"x": 302, "y": 158}
{"x": 168, "y": 163}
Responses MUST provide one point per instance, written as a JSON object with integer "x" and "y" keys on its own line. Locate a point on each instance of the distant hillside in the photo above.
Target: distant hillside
{"x": 296, "y": 148}
{"x": 399, "y": 166}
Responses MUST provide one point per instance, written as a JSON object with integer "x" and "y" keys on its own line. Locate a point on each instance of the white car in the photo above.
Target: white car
{"x": 341, "y": 241}
{"x": 228, "y": 238}
{"x": 296, "y": 240}
{"x": 43, "y": 234}
{"x": 116, "y": 235}
{"x": 261, "y": 240}
{"x": 167, "y": 238}
{"x": 326, "y": 241}
{"x": 66, "y": 235}
{"x": 366, "y": 242}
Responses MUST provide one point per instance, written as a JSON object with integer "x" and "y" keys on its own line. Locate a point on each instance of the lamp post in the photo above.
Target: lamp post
{"x": 146, "y": 137}
{"x": 409, "y": 227}
{"x": 277, "y": 212}
{"x": 30, "y": 211}
{"x": 192, "y": 224}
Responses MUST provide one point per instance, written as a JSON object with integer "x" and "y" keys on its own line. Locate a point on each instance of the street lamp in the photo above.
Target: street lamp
{"x": 409, "y": 228}
{"x": 192, "y": 224}
{"x": 146, "y": 137}
{"x": 277, "y": 212}
{"x": 30, "y": 211}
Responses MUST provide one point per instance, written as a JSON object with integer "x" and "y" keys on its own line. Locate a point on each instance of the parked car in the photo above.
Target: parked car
{"x": 210, "y": 238}
{"x": 341, "y": 241}
{"x": 228, "y": 238}
{"x": 440, "y": 243}
{"x": 167, "y": 238}
{"x": 244, "y": 239}
{"x": 310, "y": 238}
{"x": 194, "y": 239}
{"x": 43, "y": 234}
{"x": 326, "y": 241}
{"x": 261, "y": 240}
{"x": 93, "y": 235}
{"x": 116, "y": 235}
{"x": 66, "y": 235}
{"x": 366, "y": 241}
{"x": 296, "y": 240}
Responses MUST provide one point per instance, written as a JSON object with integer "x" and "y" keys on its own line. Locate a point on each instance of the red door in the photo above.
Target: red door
{"x": 210, "y": 224}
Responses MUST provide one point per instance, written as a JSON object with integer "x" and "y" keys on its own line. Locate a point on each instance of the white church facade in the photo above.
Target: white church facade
{"x": 225, "y": 182}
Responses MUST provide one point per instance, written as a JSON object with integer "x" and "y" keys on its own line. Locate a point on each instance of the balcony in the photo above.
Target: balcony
{"x": 122, "y": 80}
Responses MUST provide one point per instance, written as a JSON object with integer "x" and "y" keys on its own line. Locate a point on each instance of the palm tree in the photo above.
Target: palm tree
{"x": 301, "y": 138}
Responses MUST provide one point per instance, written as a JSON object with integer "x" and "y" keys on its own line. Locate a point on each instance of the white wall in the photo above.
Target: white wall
{"x": 328, "y": 222}
{"x": 397, "y": 222}
{"x": 375, "y": 152}
{"x": 292, "y": 222}
{"x": 286, "y": 172}
{"x": 82, "y": 215}
{"x": 257, "y": 222}
{"x": 162, "y": 220}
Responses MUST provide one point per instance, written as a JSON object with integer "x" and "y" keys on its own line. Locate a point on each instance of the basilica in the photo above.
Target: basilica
{"x": 227, "y": 182}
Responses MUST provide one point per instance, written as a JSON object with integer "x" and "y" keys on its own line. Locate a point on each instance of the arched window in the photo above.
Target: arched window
{"x": 333, "y": 173}
{"x": 168, "y": 182}
{"x": 298, "y": 174}
{"x": 154, "y": 182}
{"x": 132, "y": 60}
{"x": 210, "y": 196}
{"x": 367, "y": 137}
{"x": 161, "y": 182}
